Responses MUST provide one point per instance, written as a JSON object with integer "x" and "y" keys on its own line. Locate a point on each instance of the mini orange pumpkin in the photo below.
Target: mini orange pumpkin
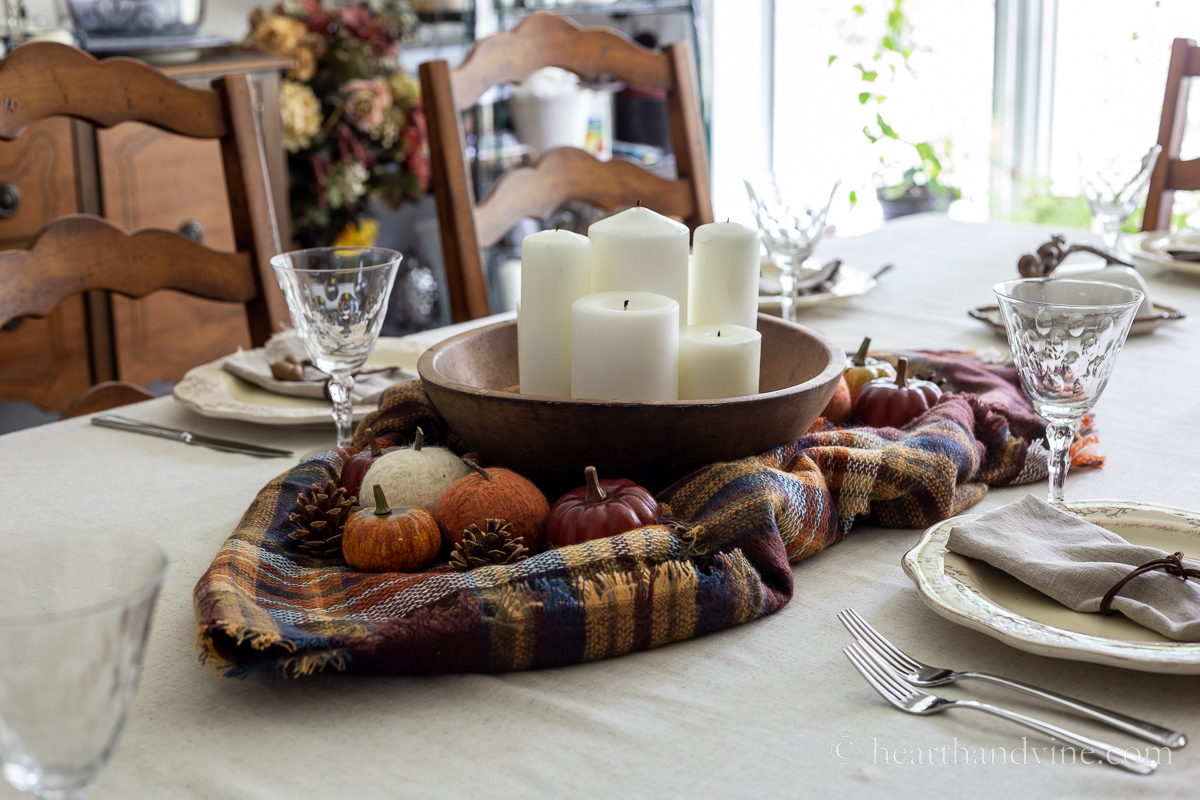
{"x": 493, "y": 493}
{"x": 390, "y": 539}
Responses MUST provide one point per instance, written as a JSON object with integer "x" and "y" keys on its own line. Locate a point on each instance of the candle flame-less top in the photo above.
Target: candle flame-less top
{"x": 640, "y": 250}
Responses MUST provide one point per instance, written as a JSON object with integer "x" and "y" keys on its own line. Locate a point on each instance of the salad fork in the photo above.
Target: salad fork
{"x": 909, "y": 699}
{"x": 921, "y": 674}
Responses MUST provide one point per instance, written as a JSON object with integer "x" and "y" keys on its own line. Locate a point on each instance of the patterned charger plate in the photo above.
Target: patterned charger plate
{"x": 976, "y": 595}
{"x": 1150, "y": 247}
{"x": 990, "y": 316}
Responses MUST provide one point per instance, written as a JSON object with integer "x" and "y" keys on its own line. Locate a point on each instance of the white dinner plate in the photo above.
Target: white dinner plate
{"x": 978, "y": 596}
{"x": 1150, "y": 248}
{"x": 850, "y": 282}
{"x": 212, "y": 392}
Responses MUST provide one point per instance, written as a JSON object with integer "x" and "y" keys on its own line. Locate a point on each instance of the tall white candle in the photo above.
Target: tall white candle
{"x": 723, "y": 287}
{"x": 718, "y": 361}
{"x": 556, "y": 270}
{"x": 639, "y": 250}
{"x": 625, "y": 346}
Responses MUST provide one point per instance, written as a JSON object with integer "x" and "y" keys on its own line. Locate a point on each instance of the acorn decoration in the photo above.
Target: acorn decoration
{"x": 599, "y": 509}
{"x": 355, "y": 468}
{"x": 390, "y": 538}
{"x": 320, "y": 518}
{"x": 494, "y": 544}
{"x": 489, "y": 493}
{"x": 417, "y": 475}
{"x": 884, "y": 403}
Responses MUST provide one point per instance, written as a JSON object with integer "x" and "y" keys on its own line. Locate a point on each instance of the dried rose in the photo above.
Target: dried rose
{"x": 301, "y": 112}
{"x": 366, "y": 102}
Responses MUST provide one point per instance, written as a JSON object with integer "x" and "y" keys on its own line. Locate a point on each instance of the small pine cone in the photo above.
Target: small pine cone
{"x": 320, "y": 518}
{"x": 495, "y": 544}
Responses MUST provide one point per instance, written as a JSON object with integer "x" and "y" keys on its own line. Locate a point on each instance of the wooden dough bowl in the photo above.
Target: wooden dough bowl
{"x": 551, "y": 440}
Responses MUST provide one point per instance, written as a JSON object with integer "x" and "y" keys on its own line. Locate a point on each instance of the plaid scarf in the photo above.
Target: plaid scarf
{"x": 720, "y": 556}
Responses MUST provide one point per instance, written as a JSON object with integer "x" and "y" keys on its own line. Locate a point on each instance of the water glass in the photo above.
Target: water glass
{"x": 74, "y": 614}
{"x": 338, "y": 297}
{"x": 1065, "y": 336}
{"x": 1114, "y": 187}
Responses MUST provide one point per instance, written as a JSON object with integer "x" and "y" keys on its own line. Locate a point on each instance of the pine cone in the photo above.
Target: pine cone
{"x": 320, "y": 519}
{"x": 495, "y": 544}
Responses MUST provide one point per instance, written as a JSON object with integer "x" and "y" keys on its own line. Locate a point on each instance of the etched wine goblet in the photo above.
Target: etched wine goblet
{"x": 74, "y": 613}
{"x": 1065, "y": 336}
{"x": 338, "y": 297}
{"x": 1114, "y": 187}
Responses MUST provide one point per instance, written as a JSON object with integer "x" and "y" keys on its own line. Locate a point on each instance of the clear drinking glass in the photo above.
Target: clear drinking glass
{"x": 791, "y": 229}
{"x": 1065, "y": 336}
{"x": 74, "y": 613}
{"x": 1114, "y": 186}
{"x": 338, "y": 297}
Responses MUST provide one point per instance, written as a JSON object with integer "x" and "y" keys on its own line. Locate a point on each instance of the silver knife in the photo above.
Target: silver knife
{"x": 187, "y": 437}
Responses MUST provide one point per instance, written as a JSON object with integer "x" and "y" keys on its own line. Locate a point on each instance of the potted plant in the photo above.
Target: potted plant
{"x": 918, "y": 189}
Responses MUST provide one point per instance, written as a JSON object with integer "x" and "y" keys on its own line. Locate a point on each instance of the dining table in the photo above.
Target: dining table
{"x": 771, "y": 708}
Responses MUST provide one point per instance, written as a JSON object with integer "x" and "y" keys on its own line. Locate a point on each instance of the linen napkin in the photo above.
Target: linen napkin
{"x": 1076, "y": 563}
{"x": 255, "y": 366}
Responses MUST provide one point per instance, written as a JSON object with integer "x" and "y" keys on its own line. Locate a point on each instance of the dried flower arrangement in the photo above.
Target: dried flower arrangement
{"x": 353, "y": 124}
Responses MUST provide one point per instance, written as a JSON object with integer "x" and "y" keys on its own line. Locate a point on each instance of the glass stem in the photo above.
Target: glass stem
{"x": 340, "y": 385}
{"x": 1059, "y": 436}
{"x": 1112, "y": 233}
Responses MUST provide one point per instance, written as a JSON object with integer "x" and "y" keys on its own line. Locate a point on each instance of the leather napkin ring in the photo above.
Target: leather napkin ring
{"x": 1172, "y": 565}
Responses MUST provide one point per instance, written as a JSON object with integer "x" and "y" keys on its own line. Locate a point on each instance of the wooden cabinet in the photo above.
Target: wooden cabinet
{"x": 146, "y": 178}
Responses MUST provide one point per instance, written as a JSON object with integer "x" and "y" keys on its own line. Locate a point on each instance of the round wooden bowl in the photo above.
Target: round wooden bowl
{"x": 550, "y": 440}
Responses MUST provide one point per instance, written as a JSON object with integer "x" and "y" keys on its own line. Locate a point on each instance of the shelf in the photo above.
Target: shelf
{"x": 620, "y": 7}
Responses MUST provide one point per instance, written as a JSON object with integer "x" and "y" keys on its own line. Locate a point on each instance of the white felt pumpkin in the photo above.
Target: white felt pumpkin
{"x": 417, "y": 475}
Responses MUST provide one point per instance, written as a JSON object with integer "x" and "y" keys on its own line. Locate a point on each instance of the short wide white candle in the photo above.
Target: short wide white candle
{"x": 556, "y": 270}
{"x": 723, "y": 289}
{"x": 625, "y": 346}
{"x": 639, "y": 250}
{"x": 718, "y": 361}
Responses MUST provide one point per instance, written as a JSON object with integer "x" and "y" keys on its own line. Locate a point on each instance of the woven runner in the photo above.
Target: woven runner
{"x": 720, "y": 556}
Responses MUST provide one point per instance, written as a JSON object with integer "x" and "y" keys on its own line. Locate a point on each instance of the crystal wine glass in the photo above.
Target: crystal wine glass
{"x": 1065, "y": 336}
{"x": 338, "y": 297}
{"x": 74, "y": 613}
{"x": 791, "y": 230}
{"x": 1114, "y": 187}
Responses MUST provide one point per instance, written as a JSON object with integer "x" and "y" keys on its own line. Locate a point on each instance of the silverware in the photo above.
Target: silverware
{"x": 187, "y": 437}
{"x": 910, "y": 700}
{"x": 921, "y": 674}
{"x": 821, "y": 276}
{"x": 882, "y": 270}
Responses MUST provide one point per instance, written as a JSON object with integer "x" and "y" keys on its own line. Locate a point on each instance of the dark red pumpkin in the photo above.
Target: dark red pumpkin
{"x": 887, "y": 403}
{"x": 355, "y": 468}
{"x": 599, "y": 509}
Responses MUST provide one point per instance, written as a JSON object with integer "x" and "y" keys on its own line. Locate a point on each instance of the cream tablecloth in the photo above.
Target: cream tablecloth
{"x": 769, "y": 709}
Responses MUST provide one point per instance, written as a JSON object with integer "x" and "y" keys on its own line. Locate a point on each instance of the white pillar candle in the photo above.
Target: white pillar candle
{"x": 718, "y": 361}
{"x": 556, "y": 270}
{"x": 723, "y": 286}
{"x": 625, "y": 346}
{"x": 639, "y": 250}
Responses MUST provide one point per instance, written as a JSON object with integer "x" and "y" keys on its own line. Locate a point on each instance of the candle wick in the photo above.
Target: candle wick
{"x": 626, "y": 307}
{"x": 639, "y": 202}
{"x": 557, "y": 226}
{"x": 727, "y": 220}
{"x": 718, "y": 334}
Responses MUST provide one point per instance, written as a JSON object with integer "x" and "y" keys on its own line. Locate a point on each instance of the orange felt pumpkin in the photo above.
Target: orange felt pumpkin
{"x": 390, "y": 539}
{"x": 840, "y": 406}
{"x": 493, "y": 493}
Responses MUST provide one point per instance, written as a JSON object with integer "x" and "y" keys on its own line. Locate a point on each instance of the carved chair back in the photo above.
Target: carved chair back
{"x": 1170, "y": 173}
{"x": 563, "y": 174}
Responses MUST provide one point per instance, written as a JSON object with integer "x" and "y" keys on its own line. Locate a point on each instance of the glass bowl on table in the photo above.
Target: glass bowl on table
{"x": 1065, "y": 336}
{"x": 337, "y": 297}
{"x": 74, "y": 614}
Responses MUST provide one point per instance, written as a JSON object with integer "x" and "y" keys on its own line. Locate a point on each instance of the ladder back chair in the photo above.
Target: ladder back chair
{"x": 565, "y": 173}
{"x": 1171, "y": 174}
{"x": 85, "y": 255}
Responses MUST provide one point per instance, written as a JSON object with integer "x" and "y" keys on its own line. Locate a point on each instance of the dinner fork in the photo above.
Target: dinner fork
{"x": 909, "y": 699}
{"x": 921, "y": 674}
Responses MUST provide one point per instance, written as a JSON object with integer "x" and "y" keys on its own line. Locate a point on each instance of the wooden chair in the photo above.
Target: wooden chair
{"x": 83, "y": 257}
{"x": 565, "y": 173}
{"x": 1171, "y": 174}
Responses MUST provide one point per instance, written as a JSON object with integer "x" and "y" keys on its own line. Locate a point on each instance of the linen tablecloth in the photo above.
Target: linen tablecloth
{"x": 771, "y": 709}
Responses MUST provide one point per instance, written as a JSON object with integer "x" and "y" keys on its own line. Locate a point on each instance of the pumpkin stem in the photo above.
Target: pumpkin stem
{"x": 375, "y": 451}
{"x": 860, "y": 358}
{"x": 381, "y": 504}
{"x": 473, "y": 464}
{"x": 902, "y": 373}
{"x": 594, "y": 493}
{"x": 419, "y": 441}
